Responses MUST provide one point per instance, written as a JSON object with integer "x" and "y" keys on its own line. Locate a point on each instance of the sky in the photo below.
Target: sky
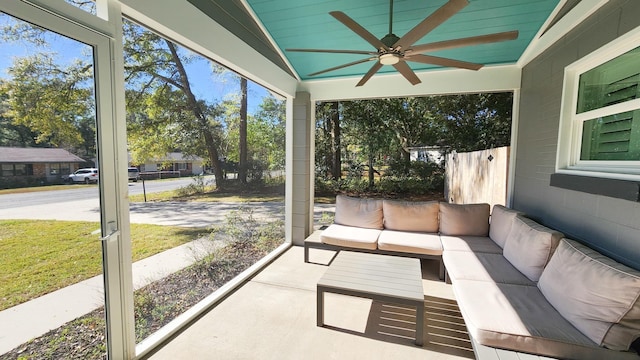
{"x": 205, "y": 85}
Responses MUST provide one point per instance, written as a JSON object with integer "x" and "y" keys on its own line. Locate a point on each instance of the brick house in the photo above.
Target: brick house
{"x": 31, "y": 166}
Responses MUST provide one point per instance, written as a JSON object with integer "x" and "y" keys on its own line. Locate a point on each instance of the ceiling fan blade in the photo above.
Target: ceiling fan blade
{"x": 356, "y": 28}
{"x": 473, "y": 40}
{"x": 374, "y": 69}
{"x": 431, "y": 22}
{"x": 435, "y": 60}
{"x": 362, "y": 52}
{"x": 343, "y": 66}
{"x": 406, "y": 71}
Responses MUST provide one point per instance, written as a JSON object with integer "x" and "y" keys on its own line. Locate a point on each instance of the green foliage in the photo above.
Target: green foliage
{"x": 45, "y": 102}
{"x": 241, "y": 226}
{"x": 199, "y": 185}
{"x": 265, "y": 135}
{"x": 54, "y": 102}
{"x": 377, "y": 135}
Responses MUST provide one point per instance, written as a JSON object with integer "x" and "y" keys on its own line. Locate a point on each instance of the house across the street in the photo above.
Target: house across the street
{"x": 176, "y": 162}
{"x": 33, "y": 166}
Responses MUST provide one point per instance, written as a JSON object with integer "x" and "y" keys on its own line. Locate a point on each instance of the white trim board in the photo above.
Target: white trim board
{"x": 446, "y": 81}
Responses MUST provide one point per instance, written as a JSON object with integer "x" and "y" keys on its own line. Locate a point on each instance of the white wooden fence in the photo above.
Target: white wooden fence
{"x": 477, "y": 177}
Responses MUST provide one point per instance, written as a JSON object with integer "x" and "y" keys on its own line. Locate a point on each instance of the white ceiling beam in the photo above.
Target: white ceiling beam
{"x": 542, "y": 42}
{"x": 439, "y": 82}
{"x": 182, "y": 22}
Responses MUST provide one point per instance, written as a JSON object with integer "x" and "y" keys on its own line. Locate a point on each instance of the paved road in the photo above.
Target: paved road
{"x": 85, "y": 192}
{"x": 83, "y": 205}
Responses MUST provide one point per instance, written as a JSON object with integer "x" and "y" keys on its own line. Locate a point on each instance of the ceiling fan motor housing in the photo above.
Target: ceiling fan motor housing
{"x": 389, "y": 40}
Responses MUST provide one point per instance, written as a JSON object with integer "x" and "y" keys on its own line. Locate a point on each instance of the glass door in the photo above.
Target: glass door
{"x": 61, "y": 257}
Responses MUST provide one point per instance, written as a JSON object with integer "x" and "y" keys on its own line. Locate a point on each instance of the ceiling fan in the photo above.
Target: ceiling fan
{"x": 395, "y": 51}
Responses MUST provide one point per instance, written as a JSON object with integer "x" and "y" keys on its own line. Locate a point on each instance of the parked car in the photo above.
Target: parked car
{"x": 87, "y": 176}
{"x": 134, "y": 174}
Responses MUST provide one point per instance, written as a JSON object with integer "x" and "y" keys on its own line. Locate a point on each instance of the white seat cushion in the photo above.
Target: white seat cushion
{"x": 519, "y": 318}
{"x": 350, "y": 236}
{"x": 410, "y": 242}
{"x": 464, "y": 265}
{"x": 481, "y": 244}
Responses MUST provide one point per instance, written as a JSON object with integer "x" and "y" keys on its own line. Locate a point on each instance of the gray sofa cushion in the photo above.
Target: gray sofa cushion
{"x": 464, "y": 219}
{"x": 482, "y": 267}
{"x": 410, "y": 242}
{"x": 411, "y": 215}
{"x": 363, "y": 213}
{"x": 519, "y": 318}
{"x": 501, "y": 220}
{"x": 481, "y": 244}
{"x": 596, "y": 294}
{"x": 530, "y": 245}
{"x": 350, "y": 236}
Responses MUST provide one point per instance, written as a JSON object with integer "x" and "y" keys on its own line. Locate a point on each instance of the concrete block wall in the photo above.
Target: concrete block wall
{"x": 610, "y": 225}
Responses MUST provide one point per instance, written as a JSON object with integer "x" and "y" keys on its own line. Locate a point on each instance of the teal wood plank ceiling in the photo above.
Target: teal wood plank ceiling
{"x": 307, "y": 24}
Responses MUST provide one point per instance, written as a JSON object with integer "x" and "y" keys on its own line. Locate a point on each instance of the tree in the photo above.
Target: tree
{"x": 365, "y": 128}
{"x": 265, "y": 135}
{"x": 12, "y": 134}
{"x": 382, "y": 131}
{"x": 155, "y": 74}
{"x": 55, "y": 102}
{"x": 272, "y": 114}
{"x": 328, "y": 147}
{"x": 335, "y": 141}
{"x": 474, "y": 121}
{"x": 47, "y": 101}
{"x": 242, "y": 164}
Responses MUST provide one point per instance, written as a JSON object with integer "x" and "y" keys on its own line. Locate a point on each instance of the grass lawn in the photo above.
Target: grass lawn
{"x": 234, "y": 192}
{"x": 40, "y": 256}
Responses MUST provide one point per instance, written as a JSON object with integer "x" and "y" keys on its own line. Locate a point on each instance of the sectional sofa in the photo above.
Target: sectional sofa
{"x": 519, "y": 285}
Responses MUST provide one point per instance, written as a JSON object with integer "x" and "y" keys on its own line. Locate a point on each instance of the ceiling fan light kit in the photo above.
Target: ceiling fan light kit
{"x": 389, "y": 59}
{"x": 396, "y": 51}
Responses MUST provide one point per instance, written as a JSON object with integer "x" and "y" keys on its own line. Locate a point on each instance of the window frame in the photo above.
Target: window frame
{"x": 571, "y": 122}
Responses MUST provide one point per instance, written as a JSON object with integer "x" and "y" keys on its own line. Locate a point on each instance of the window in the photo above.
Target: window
{"x": 59, "y": 169}
{"x": 7, "y": 170}
{"x": 17, "y": 169}
{"x": 600, "y": 119}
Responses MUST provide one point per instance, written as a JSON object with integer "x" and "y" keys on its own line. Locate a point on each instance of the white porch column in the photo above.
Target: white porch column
{"x": 301, "y": 177}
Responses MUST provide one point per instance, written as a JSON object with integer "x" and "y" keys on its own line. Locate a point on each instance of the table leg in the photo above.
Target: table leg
{"x": 320, "y": 307}
{"x": 420, "y": 323}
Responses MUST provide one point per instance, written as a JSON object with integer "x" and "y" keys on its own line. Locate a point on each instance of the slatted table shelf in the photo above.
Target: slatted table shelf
{"x": 377, "y": 277}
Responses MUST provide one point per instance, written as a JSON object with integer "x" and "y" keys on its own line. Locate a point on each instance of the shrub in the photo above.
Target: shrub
{"x": 199, "y": 185}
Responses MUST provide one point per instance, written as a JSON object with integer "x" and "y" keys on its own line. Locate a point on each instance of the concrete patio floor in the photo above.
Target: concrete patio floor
{"x": 273, "y": 316}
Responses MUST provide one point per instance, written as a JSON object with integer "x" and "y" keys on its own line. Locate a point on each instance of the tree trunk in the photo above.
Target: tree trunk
{"x": 242, "y": 171}
{"x": 212, "y": 146}
{"x": 371, "y": 180}
{"x": 336, "y": 162}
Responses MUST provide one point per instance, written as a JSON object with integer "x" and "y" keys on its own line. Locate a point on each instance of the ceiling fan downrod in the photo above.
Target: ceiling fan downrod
{"x": 390, "y": 17}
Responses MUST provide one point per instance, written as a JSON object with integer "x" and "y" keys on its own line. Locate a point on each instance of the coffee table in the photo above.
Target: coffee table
{"x": 386, "y": 278}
